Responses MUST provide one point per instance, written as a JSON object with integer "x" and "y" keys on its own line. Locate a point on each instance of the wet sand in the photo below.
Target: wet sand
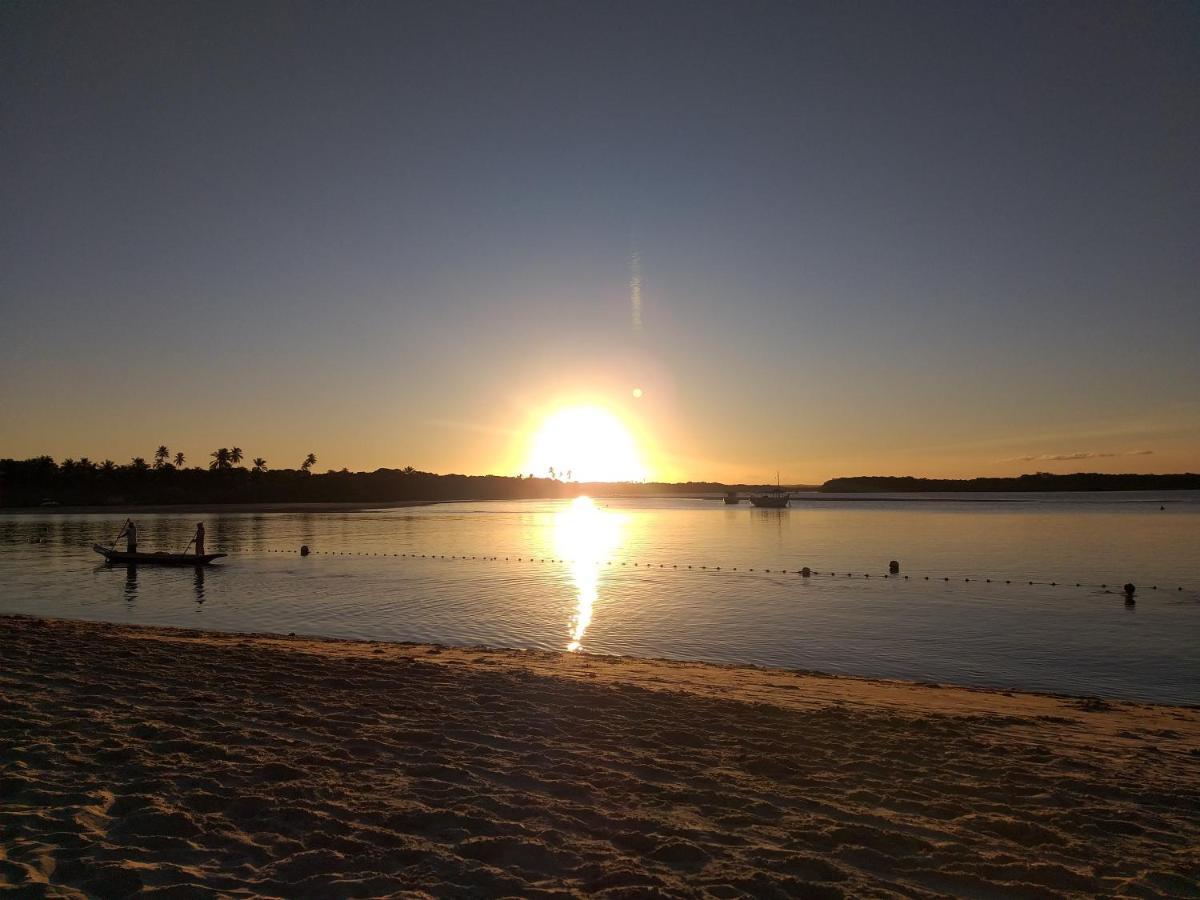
{"x": 196, "y": 764}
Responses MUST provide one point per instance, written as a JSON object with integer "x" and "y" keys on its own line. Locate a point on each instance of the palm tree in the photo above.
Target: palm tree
{"x": 235, "y": 455}
{"x": 108, "y": 467}
{"x": 161, "y": 455}
{"x": 260, "y": 464}
{"x": 309, "y": 462}
{"x": 220, "y": 459}
{"x": 179, "y": 460}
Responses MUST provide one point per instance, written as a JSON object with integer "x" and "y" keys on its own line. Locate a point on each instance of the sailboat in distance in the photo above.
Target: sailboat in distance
{"x": 776, "y": 500}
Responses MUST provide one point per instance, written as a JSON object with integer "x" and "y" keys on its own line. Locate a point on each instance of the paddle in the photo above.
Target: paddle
{"x": 113, "y": 545}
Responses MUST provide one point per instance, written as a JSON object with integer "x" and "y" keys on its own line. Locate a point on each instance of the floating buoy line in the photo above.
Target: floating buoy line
{"x": 892, "y": 574}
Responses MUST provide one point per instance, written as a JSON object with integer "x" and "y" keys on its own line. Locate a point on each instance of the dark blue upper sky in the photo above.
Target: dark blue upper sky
{"x": 933, "y": 238}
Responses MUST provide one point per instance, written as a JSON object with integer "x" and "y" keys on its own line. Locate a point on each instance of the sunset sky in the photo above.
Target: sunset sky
{"x": 820, "y": 238}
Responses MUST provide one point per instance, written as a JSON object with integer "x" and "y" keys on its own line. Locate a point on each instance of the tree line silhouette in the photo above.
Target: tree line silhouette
{"x": 167, "y": 481}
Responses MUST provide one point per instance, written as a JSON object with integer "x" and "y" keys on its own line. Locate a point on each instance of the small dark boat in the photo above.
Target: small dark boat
{"x": 732, "y": 498}
{"x": 771, "y": 501}
{"x": 777, "y": 500}
{"x": 156, "y": 559}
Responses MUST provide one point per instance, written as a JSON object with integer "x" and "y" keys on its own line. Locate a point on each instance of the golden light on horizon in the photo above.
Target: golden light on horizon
{"x": 586, "y": 536}
{"x": 585, "y": 443}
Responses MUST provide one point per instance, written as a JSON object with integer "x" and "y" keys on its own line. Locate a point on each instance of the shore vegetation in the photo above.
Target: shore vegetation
{"x": 41, "y": 481}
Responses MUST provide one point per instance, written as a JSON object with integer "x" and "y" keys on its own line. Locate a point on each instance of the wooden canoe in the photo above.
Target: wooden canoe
{"x": 156, "y": 559}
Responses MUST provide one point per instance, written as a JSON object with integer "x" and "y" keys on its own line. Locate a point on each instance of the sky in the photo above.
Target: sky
{"x": 818, "y": 239}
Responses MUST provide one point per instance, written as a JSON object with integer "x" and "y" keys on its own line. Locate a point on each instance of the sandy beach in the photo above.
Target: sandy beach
{"x": 192, "y": 764}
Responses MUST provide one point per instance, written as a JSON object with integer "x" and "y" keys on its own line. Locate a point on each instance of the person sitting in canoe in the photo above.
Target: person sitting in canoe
{"x": 129, "y": 532}
{"x": 199, "y": 538}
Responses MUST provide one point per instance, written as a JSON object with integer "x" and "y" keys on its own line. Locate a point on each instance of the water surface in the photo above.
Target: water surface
{"x": 685, "y": 579}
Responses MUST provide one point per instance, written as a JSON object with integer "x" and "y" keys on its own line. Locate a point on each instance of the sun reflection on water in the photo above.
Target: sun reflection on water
{"x": 585, "y": 535}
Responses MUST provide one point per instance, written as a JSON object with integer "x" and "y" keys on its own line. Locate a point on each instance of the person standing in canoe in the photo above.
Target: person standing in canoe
{"x": 199, "y": 538}
{"x": 129, "y": 532}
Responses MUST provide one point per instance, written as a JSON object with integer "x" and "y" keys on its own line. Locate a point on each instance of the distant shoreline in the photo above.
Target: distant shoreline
{"x": 82, "y": 486}
{"x": 1038, "y": 482}
{"x": 210, "y": 508}
{"x": 983, "y": 497}
{"x": 364, "y": 506}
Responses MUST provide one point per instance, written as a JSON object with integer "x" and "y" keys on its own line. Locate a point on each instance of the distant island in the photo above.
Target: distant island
{"x": 1038, "y": 481}
{"x": 165, "y": 482}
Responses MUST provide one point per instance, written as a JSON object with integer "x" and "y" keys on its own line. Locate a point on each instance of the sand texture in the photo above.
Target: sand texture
{"x": 189, "y": 764}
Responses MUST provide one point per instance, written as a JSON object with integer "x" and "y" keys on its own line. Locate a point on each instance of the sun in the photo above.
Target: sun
{"x": 585, "y": 443}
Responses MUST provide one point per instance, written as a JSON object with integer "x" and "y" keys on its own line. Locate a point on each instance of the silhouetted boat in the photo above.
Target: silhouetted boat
{"x": 157, "y": 559}
{"x": 732, "y": 498}
{"x": 777, "y": 500}
{"x": 771, "y": 501}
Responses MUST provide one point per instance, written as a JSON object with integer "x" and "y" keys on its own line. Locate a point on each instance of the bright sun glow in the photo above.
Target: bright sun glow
{"x": 585, "y": 443}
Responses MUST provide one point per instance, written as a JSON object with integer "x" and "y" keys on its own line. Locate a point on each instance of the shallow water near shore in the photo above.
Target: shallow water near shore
{"x": 687, "y": 579}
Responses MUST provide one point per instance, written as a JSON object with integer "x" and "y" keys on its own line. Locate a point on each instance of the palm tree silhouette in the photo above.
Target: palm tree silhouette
{"x": 179, "y": 460}
{"x": 260, "y": 464}
{"x": 161, "y": 455}
{"x": 220, "y": 459}
{"x": 235, "y": 455}
{"x": 309, "y": 462}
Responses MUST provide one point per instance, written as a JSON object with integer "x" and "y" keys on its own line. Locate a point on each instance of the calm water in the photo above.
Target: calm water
{"x": 616, "y": 579}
